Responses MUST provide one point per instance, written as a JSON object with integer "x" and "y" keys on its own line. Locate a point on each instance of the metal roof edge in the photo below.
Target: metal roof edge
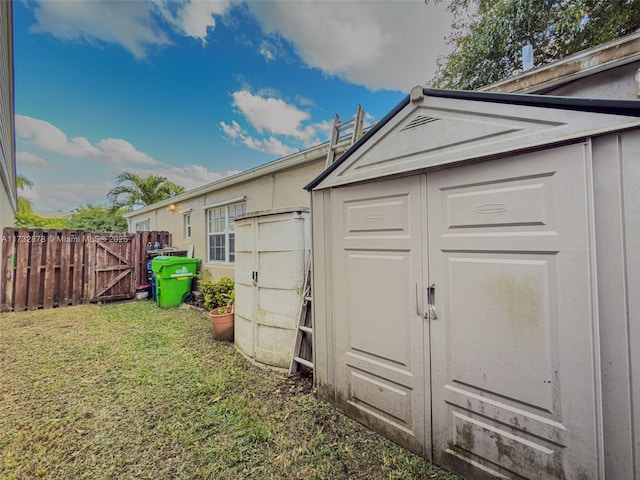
{"x": 295, "y": 159}
{"x": 325, "y": 173}
{"x": 592, "y": 105}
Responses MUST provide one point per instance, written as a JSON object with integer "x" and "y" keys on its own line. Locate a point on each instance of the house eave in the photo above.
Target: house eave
{"x": 615, "y": 53}
{"x": 293, "y": 160}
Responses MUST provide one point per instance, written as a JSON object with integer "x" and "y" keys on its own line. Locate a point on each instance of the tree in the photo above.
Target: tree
{"x": 136, "y": 191}
{"x": 23, "y": 182}
{"x": 488, "y": 35}
{"x": 25, "y": 218}
{"x": 95, "y": 218}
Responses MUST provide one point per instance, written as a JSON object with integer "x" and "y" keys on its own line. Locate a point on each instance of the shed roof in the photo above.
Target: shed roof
{"x": 503, "y": 122}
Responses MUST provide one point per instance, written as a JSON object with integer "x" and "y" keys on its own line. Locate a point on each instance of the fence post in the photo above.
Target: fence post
{"x": 7, "y": 272}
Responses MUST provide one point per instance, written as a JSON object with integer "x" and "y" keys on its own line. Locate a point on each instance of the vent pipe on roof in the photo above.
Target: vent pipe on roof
{"x": 527, "y": 57}
{"x": 417, "y": 94}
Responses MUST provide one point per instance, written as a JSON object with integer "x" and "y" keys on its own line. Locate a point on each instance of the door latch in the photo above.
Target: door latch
{"x": 430, "y": 313}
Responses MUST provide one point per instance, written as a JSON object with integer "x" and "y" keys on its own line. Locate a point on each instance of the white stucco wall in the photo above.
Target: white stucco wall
{"x": 279, "y": 189}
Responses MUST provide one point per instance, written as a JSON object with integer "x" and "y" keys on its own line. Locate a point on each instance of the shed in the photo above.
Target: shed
{"x": 272, "y": 252}
{"x": 476, "y": 283}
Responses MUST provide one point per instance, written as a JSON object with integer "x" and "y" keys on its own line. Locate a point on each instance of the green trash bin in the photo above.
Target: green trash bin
{"x": 173, "y": 279}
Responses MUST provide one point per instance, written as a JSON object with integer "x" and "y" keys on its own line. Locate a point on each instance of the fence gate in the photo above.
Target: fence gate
{"x": 56, "y": 268}
{"x": 111, "y": 268}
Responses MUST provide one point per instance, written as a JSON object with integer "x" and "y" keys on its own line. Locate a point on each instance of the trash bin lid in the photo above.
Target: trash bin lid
{"x": 164, "y": 260}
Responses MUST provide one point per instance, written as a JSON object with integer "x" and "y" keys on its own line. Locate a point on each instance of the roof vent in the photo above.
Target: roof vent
{"x": 527, "y": 57}
{"x": 419, "y": 121}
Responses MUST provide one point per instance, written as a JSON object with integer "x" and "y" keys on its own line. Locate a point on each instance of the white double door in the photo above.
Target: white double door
{"x": 499, "y": 379}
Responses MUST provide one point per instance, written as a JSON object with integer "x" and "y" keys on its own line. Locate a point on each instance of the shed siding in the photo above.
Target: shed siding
{"x": 613, "y": 303}
{"x": 631, "y": 207}
{"x": 323, "y": 332}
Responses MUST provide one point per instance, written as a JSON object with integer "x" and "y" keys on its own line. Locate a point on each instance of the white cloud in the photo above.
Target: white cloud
{"x": 269, "y": 145}
{"x": 188, "y": 176}
{"x": 129, "y": 24}
{"x": 274, "y": 118}
{"x": 28, "y": 159}
{"x": 233, "y": 131}
{"x": 47, "y": 137}
{"x": 379, "y": 44}
{"x": 273, "y": 115}
{"x": 194, "y": 18}
{"x": 120, "y": 151}
{"x": 134, "y": 25}
{"x": 267, "y": 50}
{"x": 67, "y": 196}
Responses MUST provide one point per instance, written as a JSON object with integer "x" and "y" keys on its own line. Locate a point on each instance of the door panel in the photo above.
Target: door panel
{"x": 512, "y": 347}
{"x": 379, "y": 331}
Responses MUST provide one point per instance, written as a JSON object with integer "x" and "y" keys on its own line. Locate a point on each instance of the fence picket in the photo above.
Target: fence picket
{"x": 34, "y": 288}
{"x": 22, "y": 269}
{"x": 77, "y": 278}
{"x": 50, "y": 265}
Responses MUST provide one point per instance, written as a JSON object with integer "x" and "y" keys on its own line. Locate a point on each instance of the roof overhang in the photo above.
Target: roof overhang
{"x": 616, "y": 53}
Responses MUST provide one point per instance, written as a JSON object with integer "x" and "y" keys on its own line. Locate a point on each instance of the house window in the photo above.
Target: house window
{"x": 187, "y": 226}
{"x": 143, "y": 226}
{"x": 221, "y": 234}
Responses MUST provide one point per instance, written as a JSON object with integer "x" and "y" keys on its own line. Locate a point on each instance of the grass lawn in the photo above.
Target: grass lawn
{"x": 130, "y": 391}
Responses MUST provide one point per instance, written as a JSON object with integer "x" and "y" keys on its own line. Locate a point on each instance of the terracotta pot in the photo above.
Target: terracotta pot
{"x": 222, "y": 324}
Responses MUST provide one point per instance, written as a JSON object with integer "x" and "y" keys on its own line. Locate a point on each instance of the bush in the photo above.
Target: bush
{"x": 217, "y": 294}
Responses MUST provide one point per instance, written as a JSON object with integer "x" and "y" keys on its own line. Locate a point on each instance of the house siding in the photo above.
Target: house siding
{"x": 8, "y": 200}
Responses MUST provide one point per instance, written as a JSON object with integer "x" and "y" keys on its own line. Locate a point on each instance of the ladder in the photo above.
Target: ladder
{"x": 303, "y": 349}
{"x": 355, "y": 124}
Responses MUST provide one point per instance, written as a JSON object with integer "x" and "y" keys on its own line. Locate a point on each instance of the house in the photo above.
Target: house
{"x": 474, "y": 258}
{"x": 8, "y": 195}
{"x": 203, "y": 218}
{"x": 610, "y": 70}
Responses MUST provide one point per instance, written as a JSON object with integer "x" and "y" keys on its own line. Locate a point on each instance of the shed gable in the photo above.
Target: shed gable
{"x": 432, "y": 131}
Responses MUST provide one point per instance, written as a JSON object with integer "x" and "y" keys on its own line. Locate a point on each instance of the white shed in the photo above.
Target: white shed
{"x": 272, "y": 253}
{"x": 476, "y": 283}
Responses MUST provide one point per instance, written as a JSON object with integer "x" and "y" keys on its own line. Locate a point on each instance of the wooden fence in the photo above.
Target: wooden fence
{"x": 56, "y": 268}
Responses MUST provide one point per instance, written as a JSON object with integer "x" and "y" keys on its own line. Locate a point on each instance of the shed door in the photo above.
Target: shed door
{"x": 513, "y": 343}
{"x": 379, "y": 331}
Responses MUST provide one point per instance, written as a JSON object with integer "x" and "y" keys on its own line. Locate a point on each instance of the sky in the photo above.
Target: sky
{"x": 197, "y": 90}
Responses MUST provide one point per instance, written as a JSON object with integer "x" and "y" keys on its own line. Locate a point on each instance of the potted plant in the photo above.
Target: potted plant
{"x": 219, "y": 300}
